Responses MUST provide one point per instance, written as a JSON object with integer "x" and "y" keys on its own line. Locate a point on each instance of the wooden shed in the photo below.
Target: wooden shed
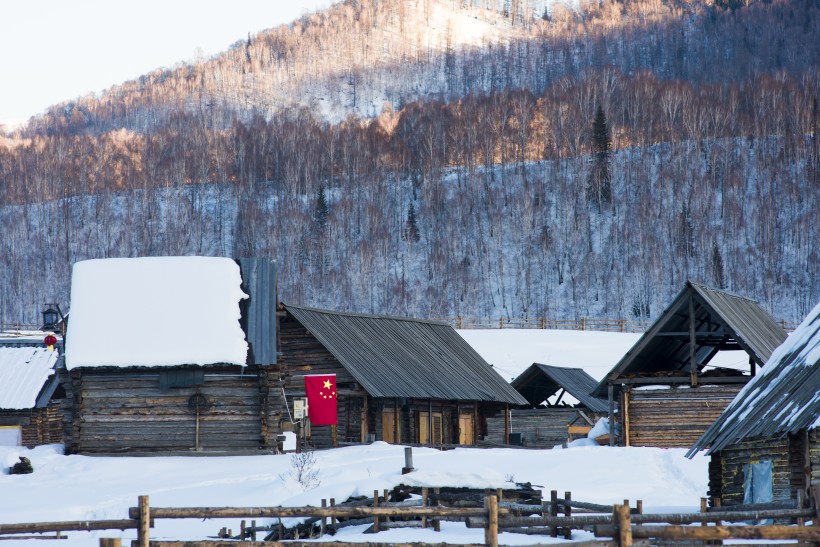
{"x": 560, "y": 407}
{"x": 168, "y": 354}
{"x": 398, "y": 380}
{"x": 765, "y": 446}
{"x": 29, "y": 391}
{"x": 667, "y": 387}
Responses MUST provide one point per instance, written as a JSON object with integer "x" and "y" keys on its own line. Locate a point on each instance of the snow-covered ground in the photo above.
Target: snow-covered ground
{"x": 67, "y": 488}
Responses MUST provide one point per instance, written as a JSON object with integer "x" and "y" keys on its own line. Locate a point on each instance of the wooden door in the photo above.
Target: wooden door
{"x": 389, "y": 425}
{"x": 466, "y": 429}
{"x": 424, "y": 428}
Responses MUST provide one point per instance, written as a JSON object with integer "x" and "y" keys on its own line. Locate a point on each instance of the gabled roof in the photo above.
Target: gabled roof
{"x": 26, "y": 371}
{"x": 784, "y": 398}
{"x": 723, "y": 321}
{"x": 539, "y": 382}
{"x": 401, "y": 357}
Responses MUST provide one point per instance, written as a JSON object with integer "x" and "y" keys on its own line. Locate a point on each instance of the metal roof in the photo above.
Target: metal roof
{"x": 539, "y": 382}
{"x": 723, "y": 321}
{"x": 402, "y": 357}
{"x": 784, "y": 398}
{"x": 259, "y": 311}
{"x": 26, "y": 371}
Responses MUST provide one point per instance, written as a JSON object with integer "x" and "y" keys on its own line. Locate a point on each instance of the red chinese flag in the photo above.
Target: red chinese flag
{"x": 321, "y": 396}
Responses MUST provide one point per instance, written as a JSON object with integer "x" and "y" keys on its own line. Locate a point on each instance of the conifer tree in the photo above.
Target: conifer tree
{"x": 599, "y": 185}
{"x": 411, "y": 229}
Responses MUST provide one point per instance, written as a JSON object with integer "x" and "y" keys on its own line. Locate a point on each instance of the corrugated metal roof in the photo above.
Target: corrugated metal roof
{"x": 24, "y": 370}
{"x": 723, "y": 321}
{"x": 539, "y": 382}
{"x": 401, "y": 357}
{"x": 259, "y": 315}
{"x": 784, "y": 398}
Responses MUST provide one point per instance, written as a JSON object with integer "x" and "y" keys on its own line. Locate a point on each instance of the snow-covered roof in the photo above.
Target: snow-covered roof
{"x": 783, "y": 398}
{"x": 24, "y": 371}
{"x": 155, "y": 311}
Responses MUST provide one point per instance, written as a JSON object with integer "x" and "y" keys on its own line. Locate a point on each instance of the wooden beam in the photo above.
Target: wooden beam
{"x": 610, "y": 393}
{"x": 663, "y": 380}
{"x": 693, "y": 364}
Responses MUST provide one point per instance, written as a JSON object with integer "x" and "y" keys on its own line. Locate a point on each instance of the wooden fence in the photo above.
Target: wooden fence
{"x": 581, "y": 323}
{"x": 620, "y": 524}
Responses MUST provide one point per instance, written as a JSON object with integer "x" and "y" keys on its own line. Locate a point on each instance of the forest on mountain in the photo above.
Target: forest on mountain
{"x": 443, "y": 158}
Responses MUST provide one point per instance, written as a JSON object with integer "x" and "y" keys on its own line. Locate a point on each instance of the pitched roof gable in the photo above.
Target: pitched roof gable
{"x": 723, "y": 320}
{"x": 402, "y": 357}
{"x": 541, "y": 381}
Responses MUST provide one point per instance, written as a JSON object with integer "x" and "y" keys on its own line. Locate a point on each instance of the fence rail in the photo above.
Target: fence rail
{"x": 622, "y": 526}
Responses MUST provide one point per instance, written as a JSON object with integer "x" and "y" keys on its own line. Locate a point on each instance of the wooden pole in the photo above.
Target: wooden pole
{"x": 610, "y": 394}
{"x": 693, "y": 365}
{"x": 554, "y": 511}
{"x": 507, "y": 423}
{"x": 323, "y": 526}
{"x": 491, "y": 532}
{"x": 365, "y": 424}
{"x": 143, "y": 536}
{"x": 623, "y": 525}
{"x": 567, "y": 513}
{"x": 436, "y": 522}
{"x": 333, "y": 504}
{"x": 424, "y": 501}
{"x": 375, "y": 504}
{"x": 110, "y": 542}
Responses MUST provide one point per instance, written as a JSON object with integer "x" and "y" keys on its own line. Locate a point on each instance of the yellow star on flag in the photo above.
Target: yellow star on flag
{"x": 327, "y": 384}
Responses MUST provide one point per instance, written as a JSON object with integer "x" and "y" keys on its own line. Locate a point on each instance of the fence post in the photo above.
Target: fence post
{"x": 624, "y": 525}
{"x": 554, "y": 511}
{"x": 143, "y": 536}
{"x": 323, "y": 526}
{"x": 436, "y": 521}
{"x": 110, "y": 542}
{"x": 375, "y": 517}
{"x": 424, "y": 493}
{"x": 501, "y": 322}
{"x": 567, "y": 513}
{"x": 491, "y": 533}
{"x": 333, "y": 504}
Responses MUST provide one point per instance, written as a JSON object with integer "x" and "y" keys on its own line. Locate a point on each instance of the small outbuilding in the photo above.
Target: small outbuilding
{"x": 30, "y": 395}
{"x": 560, "y": 407}
{"x": 765, "y": 446}
{"x": 668, "y": 388}
{"x": 398, "y": 380}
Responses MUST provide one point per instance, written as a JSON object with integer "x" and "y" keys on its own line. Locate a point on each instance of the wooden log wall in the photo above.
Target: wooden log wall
{"x": 45, "y": 426}
{"x": 671, "y": 417}
{"x": 541, "y": 427}
{"x": 734, "y": 458}
{"x": 814, "y": 455}
{"x": 121, "y": 410}
{"x": 301, "y": 354}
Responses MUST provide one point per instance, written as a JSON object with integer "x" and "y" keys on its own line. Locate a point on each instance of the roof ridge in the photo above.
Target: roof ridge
{"x": 365, "y": 315}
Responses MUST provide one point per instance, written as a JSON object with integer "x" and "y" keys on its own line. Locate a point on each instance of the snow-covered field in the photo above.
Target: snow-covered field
{"x": 67, "y": 488}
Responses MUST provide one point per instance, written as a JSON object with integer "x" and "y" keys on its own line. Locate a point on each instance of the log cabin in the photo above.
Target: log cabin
{"x": 671, "y": 385}
{"x": 399, "y": 380}
{"x": 169, "y": 354}
{"x": 765, "y": 446}
{"x": 560, "y": 407}
{"x": 30, "y": 395}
